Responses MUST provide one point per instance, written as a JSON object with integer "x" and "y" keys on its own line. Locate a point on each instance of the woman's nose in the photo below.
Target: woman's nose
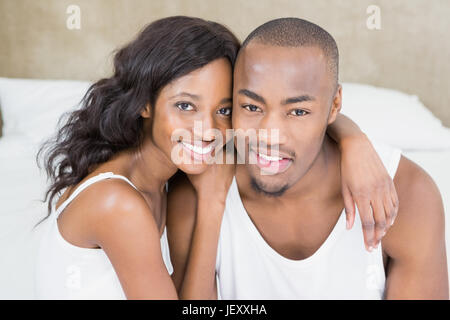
{"x": 204, "y": 129}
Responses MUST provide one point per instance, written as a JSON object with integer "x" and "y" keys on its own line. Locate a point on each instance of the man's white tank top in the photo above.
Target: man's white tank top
{"x": 66, "y": 271}
{"x": 248, "y": 268}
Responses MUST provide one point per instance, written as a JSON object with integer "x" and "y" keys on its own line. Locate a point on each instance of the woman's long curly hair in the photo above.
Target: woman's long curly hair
{"x": 109, "y": 120}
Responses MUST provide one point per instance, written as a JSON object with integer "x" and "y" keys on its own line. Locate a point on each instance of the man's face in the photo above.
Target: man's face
{"x": 293, "y": 91}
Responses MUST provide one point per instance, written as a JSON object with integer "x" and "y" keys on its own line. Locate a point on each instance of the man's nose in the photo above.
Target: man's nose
{"x": 272, "y": 129}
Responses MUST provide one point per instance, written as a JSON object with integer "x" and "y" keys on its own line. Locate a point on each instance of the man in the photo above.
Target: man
{"x": 282, "y": 233}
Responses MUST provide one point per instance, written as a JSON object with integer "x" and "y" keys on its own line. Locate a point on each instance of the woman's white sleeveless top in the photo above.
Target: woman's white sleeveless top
{"x": 66, "y": 271}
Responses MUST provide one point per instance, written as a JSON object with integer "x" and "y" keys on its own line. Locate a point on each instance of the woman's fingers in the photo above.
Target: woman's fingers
{"x": 395, "y": 202}
{"x": 377, "y": 209}
{"x": 389, "y": 208}
{"x": 379, "y": 215}
{"x": 349, "y": 204}
{"x": 367, "y": 222}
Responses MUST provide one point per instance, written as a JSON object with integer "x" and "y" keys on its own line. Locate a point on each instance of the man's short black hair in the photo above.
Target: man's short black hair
{"x": 295, "y": 32}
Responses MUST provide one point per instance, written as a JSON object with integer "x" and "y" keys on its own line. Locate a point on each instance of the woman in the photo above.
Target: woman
{"x": 113, "y": 158}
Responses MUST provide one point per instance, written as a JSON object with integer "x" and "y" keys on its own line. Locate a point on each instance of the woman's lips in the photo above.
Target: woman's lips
{"x": 199, "y": 151}
{"x": 271, "y": 164}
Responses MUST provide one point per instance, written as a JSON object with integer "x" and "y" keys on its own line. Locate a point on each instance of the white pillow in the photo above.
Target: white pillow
{"x": 33, "y": 107}
{"x": 393, "y": 117}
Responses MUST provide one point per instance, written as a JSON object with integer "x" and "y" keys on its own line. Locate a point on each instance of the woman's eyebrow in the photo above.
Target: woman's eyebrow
{"x": 225, "y": 100}
{"x": 190, "y": 95}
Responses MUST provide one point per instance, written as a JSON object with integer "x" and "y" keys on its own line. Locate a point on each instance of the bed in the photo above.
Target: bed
{"x": 29, "y": 119}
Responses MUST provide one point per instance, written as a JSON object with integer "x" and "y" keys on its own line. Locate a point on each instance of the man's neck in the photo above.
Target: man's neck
{"x": 297, "y": 223}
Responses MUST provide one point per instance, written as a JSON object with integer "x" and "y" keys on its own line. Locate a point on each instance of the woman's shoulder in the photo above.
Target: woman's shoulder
{"x": 118, "y": 208}
{"x": 107, "y": 207}
{"x": 97, "y": 193}
{"x": 111, "y": 199}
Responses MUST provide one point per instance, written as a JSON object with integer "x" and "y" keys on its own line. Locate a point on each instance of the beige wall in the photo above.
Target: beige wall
{"x": 1, "y": 123}
{"x": 411, "y": 51}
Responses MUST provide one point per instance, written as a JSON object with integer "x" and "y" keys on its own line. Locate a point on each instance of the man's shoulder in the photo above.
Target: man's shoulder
{"x": 420, "y": 213}
{"x": 414, "y": 184}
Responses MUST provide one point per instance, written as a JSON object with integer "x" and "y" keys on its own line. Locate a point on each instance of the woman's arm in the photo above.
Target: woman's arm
{"x": 199, "y": 281}
{"x": 124, "y": 227}
{"x": 343, "y": 129}
{"x": 180, "y": 223}
{"x": 200, "y": 276}
{"x": 365, "y": 181}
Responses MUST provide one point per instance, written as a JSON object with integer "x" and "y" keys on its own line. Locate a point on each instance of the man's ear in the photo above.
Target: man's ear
{"x": 146, "y": 111}
{"x": 336, "y": 105}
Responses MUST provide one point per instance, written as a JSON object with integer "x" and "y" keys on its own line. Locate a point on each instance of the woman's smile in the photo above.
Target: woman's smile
{"x": 199, "y": 150}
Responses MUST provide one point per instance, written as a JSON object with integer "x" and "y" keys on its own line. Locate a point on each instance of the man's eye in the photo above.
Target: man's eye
{"x": 298, "y": 112}
{"x": 252, "y": 108}
{"x": 224, "y": 111}
{"x": 184, "y": 106}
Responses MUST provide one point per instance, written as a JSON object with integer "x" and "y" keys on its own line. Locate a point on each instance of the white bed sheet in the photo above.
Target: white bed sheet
{"x": 22, "y": 186}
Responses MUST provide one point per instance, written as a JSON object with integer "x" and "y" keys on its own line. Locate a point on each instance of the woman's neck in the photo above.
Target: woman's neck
{"x": 149, "y": 168}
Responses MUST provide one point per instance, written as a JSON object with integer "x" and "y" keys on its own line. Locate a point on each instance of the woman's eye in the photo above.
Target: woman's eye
{"x": 252, "y": 108}
{"x": 298, "y": 112}
{"x": 224, "y": 111}
{"x": 184, "y": 106}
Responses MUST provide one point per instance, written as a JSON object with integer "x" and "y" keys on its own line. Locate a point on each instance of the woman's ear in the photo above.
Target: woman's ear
{"x": 336, "y": 105}
{"x": 146, "y": 111}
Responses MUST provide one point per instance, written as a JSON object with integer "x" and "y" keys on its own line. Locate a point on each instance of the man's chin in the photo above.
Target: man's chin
{"x": 269, "y": 186}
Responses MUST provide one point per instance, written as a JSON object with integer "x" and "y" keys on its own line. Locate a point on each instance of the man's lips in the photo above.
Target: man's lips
{"x": 272, "y": 164}
{"x": 271, "y": 155}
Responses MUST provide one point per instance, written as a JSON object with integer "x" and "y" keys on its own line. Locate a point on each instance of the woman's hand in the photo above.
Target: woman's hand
{"x": 366, "y": 182}
{"x": 213, "y": 184}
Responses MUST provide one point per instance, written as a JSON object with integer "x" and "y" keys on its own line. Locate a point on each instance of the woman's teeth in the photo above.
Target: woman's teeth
{"x": 269, "y": 158}
{"x": 198, "y": 149}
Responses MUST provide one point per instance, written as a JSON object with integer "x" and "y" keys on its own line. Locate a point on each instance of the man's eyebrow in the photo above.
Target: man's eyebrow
{"x": 302, "y": 98}
{"x": 252, "y": 95}
{"x": 187, "y": 94}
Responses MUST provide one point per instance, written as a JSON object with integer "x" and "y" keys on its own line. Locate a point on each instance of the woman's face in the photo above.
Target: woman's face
{"x": 191, "y": 115}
